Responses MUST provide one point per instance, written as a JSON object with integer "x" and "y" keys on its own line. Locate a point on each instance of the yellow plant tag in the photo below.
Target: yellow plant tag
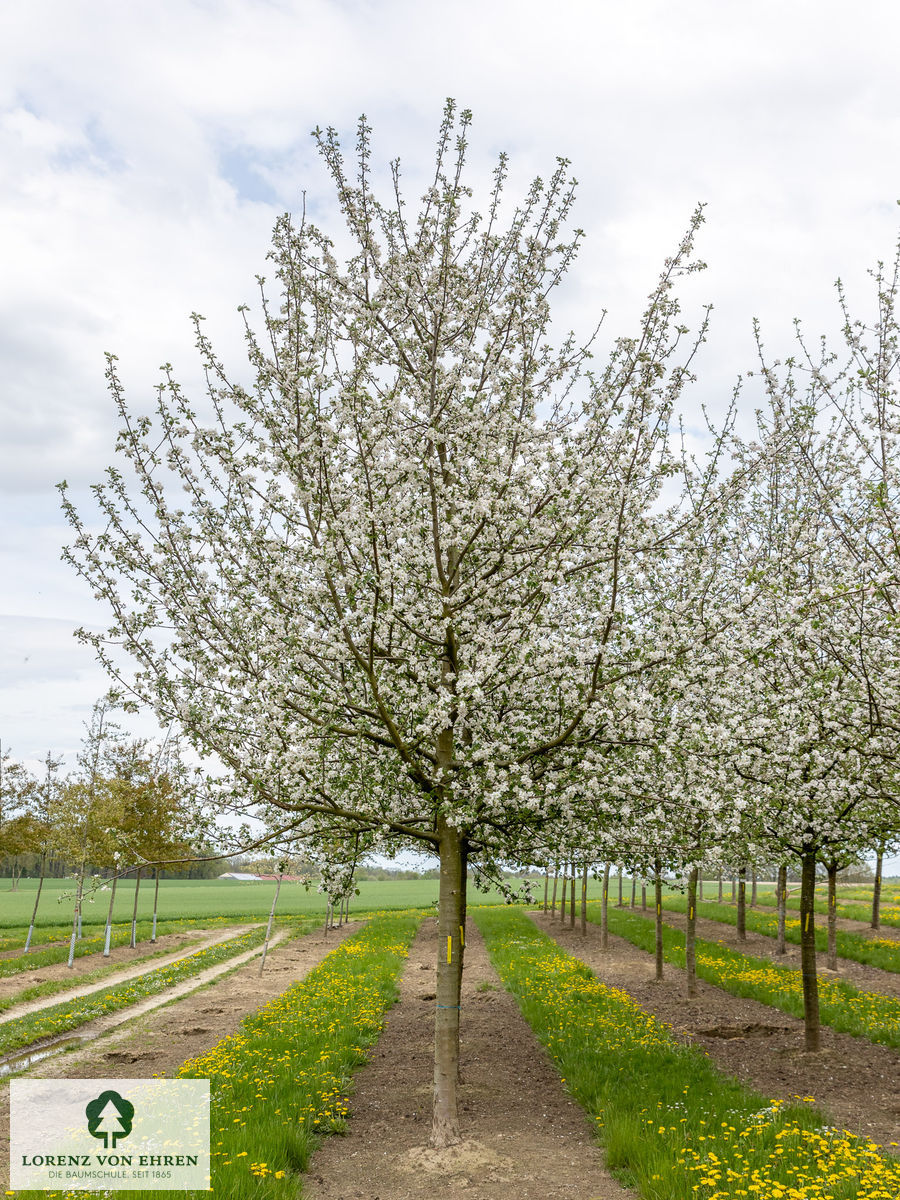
{"x": 449, "y": 949}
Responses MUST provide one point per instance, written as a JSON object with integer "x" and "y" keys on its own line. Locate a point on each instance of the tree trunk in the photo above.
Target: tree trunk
{"x": 742, "y": 905}
{"x": 659, "y": 923}
{"x": 633, "y": 890}
{"x": 753, "y": 888}
{"x": 562, "y": 896}
{"x": 546, "y": 887}
{"x": 572, "y": 899}
{"x": 620, "y": 903}
{"x": 451, "y": 914}
{"x": 262, "y": 961}
{"x": 720, "y": 887}
{"x": 643, "y": 897}
{"x": 76, "y": 917}
{"x": 690, "y": 935}
{"x": 831, "y": 958}
{"x": 781, "y": 888}
{"x": 584, "y": 883}
{"x": 808, "y": 950}
{"x": 733, "y": 889}
{"x": 604, "y": 910}
{"x": 155, "y": 905}
{"x": 109, "y": 917}
{"x": 463, "y": 916}
{"x": 137, "y": 888}
{"x": 34, "y": 910}
{"x": 555, "y": 884}
{"x": 876, "y": 892}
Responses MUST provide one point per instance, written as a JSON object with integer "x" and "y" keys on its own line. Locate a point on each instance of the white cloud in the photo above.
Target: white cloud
{"x": 147, "y": 148}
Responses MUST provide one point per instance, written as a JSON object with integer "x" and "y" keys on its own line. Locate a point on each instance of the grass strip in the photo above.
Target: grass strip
{"x": 889, "y": 915}
{"x": 281, "y": 1081}
{"x": 841, "y": 1006}
{"x": 883, "y": 953}
{"x": 673, "y": 1126}
{"x": 23, "y": 1031}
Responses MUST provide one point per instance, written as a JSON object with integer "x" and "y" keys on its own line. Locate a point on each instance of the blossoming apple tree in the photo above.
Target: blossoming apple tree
{"x": 387, "y": 582}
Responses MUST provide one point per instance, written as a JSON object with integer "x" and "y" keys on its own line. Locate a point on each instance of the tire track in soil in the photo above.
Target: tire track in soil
{"x": 117, "y": 977}
{"x": 190, "y": 1026}
{"x": 524, "y": 1138}
{"x": 120, "y": 957}
{"x": 856, "y": 1083}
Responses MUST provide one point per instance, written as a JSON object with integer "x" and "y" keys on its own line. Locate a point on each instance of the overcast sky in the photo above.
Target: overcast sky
{"x": 148, "y": 146}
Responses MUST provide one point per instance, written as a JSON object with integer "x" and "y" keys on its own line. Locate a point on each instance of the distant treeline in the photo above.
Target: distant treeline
{"x": 28, "y": 866}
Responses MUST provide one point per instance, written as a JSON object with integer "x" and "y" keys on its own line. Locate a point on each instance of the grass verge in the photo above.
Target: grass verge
{"x": 890, "y": 913}
{"x": 842, "y": 1006}
{"x": 80, "y": 979}
{"x": 673, "y": 1127}
{"x": 883, "y": 953}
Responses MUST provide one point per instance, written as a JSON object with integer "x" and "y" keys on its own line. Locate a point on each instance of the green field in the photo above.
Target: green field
{"x": 217, "y": 898}
{"x": 233, "y": 899}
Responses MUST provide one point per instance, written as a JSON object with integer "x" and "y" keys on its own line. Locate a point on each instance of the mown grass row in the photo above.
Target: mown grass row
{"x": 673, "y": 1127}
{"x": 883, "y": 953}
{"x": 842, "y": 1006}
{"x": 889, "y": 915}
{"x": 60, "y": 1018}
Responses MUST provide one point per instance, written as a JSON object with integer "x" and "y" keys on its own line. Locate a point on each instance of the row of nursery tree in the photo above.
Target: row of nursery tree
{"x": 570, "y": 883}
{"x": 429, "y": 575}
{"x": 128, "y": 808}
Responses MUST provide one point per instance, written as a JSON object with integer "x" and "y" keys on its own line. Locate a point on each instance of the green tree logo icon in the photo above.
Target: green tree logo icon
{"x": 109, "y": 1116}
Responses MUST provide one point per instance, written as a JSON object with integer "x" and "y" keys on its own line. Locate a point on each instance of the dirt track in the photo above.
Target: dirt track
{"x": 524, "y": 1138}
{"x": 115, "y": 977}
{"x": 170, "y": 1034}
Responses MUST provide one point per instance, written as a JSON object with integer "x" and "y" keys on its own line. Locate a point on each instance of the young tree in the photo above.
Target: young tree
{"x": 17, "y": 787}
{"x": 44, "y": 817}
{"x": 394, "y": 579}
{"x": 83, "y": 833}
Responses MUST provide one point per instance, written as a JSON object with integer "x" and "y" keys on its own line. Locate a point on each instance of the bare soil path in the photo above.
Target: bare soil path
{"x": 115, "y": 977}
{"x": 524, "y": 1138}
{"x": 167, "y": 1036}
{"x": 856, "y": 1084}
